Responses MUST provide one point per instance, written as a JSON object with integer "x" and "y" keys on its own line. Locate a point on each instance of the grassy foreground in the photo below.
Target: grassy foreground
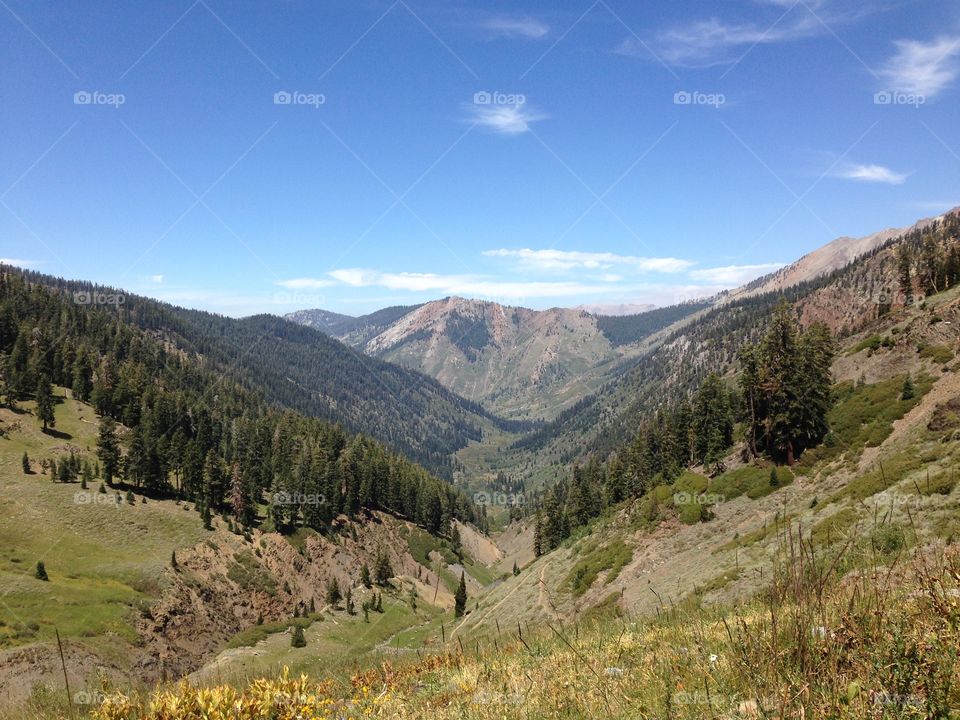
{"x": 881, "y": 642}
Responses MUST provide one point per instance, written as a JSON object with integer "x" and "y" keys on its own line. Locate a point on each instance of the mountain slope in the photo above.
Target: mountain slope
{"x": 520, "y": 363}
{"x": 832, "y": 256}
{"x": 678, "y": 359}
{"x": 302, "y": 369}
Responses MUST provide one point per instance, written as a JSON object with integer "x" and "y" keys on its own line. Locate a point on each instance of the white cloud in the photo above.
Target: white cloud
{"x": 873, "y": 173}
{"x": 704, "y": 43}
{"x": 573, "y": 259}
{"x": 156, "y": 279}
{"x": 466, "y": 285}
{"x": 734, "y": 275}
{"x": 17, "y": 262}
{"x": 923, "y": 68}
{"x": 304, "y": 283}
{"x": 504, "y": 119}
{"x": 712, "y": 41}
{"x": 513, "y": 27}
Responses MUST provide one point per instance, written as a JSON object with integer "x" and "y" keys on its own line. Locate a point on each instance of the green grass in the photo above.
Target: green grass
{"x": 253, "y": 635}
{"x": 421, "y": 544}
{"x": 611, "y": 557}
{"x": 750, "y": 480}
{"x": 940, "y": 354}
{"x": 872, "y": 343}
{"x": 246, "y": 572}
{"x": 481, "y": 573}
{"x": 835, "y": 528}
{"x": 887, "y": 473}
{"x": 333, "y": 647}
{"x": 863, "y": 417}
{"x": 718, "y": 583}
{"x": 99, "y": 577}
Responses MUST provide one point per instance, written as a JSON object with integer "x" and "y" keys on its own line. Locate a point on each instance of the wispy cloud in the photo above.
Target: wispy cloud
{"x": 923, "y": 68}
{"x": 734, "y": 275}
{"x": 566, "y": 260}
{"x": 504, "y": 119}
{"x": 872, "y": 174}
{"x": 515, "y": 27}
{"x": 704, "y": 43}
{"x": 305, "y": 283}
{"x": 19, "y": 262}
{"x": 467, "y": 285}
{"x": 712, "y": 41}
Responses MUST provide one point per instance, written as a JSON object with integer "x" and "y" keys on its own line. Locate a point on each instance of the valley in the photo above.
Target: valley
{"x": 145, "y": 584}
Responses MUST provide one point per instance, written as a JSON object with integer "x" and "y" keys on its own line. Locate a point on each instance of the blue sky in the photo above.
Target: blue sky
{"x": 260, "y": 156}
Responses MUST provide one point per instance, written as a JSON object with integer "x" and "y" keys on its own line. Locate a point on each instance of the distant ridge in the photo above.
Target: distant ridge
{"x": 832, "y": 256}
{"x": 616, "y": 310}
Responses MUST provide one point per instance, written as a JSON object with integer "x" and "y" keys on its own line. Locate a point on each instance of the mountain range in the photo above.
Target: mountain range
{"x": 263, "y": 507}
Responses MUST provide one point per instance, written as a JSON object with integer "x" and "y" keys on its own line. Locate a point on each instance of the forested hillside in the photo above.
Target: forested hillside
{"x": 192, "y": 429}
{"x": 902, "y": 270}
{"x": 299, "y": 368}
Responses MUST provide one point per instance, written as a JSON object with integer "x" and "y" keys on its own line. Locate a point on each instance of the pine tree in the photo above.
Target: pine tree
{"x": 238, "y": 500}
{"x": 333, "y": 593}
{"x": 365, "y": 576}
{"x": 26, "y": 463}
{"x": 44, "y": 398}
{"x": 904, "y": 272}
{"x": 41, "y": 571}
{"x": 297, "y": 638}
{"x": 349, "y": 602}
{"x": 538, "y": 536}
{"x": 382, "y": 572}
{"x": 108, "y": 448}
{"x": 712, "y": 423}
{"x": 173, "y": 559}
{"x": 460, "y": 598}
{"x": 787, "y": 385}
{"x": 516, "y": 570}
{"x": 907, "y": 392}
{"x": 455, "y": 543}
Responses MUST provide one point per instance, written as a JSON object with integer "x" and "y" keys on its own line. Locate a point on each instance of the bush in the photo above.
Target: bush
{"x": 612, "y": 558}
{"x": 297, "y": 638}
{"x": 888, "y": 539}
